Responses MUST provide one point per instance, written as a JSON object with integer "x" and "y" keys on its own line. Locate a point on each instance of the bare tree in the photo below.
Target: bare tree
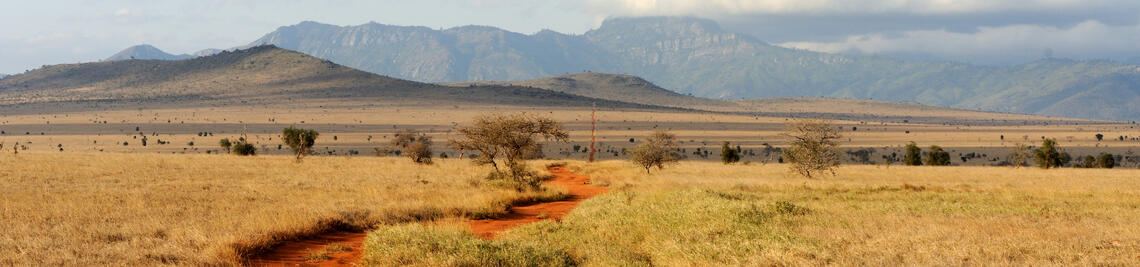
{"x": 1020, "y": 155}
{"x": 656, "y": 151}
{"x": 812, "y": 146}
{"x": 511, "y": 137}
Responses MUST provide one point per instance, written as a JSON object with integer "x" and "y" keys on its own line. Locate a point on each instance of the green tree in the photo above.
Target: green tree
{"x": 728, "y": 155}
{"x": 225, "y": 144}
{"x": 1107, "y": 161}
{"x": 299, "y": 140}
{"x": 1088, "y": 162}
{"x": 656, "y": 151}
{"x": 913, "y": 155}
{"x": 937, "y": 157}
{"x": 1047, "y": 156}
{"x": 812, "y": 146}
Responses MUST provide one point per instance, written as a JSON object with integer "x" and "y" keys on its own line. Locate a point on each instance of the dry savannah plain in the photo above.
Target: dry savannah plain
{"x": 80, "y": 188}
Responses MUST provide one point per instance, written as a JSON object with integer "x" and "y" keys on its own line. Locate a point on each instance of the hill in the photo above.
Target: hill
{"x": 263, "y": 73}
{"x": 695, "y": 56}
{"x": 618, "y": 87}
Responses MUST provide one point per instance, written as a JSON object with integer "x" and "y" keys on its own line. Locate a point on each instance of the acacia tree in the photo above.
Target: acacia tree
{"x": 812, "y": 146}
{"x": 299, "y": 140}
{"x": 656, "y": 151}
{"x": 728, "y": 155}
{"x": 225, "y": 144}
{"x": 416, "y": 145}
{"x": 510, "y": 136}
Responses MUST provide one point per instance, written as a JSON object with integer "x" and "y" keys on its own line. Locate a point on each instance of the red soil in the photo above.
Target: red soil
{"x": 577, "y": 186}
{"x": 294, "y": 253}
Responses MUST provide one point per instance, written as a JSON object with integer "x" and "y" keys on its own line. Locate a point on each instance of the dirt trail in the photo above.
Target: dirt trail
{"x": 294, "y": 253}
{"x": 578, "y": 187}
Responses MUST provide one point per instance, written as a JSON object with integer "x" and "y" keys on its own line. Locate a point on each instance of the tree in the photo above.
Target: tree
{"x": 728, "y": 155}
{"x": 937, "y": 157}
{"x": 1020, "y": 155}
{"x": 299, "y": 140}
{"x": 416, "y": 145}
{"x": 1047, "y": 156}
{"x": 1106, "y": 161}
{"x": 812, "y": 146}
{"x": 913, "y": 155}
{"x": 511, "y": 137}
{"x": 243, "y": 148}
{"x": 1099, "y": 137}
{"x": 656, "y": 151}
{"x": 225, "y": 144}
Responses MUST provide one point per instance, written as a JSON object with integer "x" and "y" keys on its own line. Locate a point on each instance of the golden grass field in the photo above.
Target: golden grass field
{"x": 144, "y": 209}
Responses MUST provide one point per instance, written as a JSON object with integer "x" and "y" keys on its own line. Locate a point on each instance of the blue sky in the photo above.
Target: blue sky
{"x": 35, "y": 33}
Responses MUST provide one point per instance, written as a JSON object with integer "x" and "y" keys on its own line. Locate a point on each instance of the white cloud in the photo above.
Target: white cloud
{"x": 994, "y": 45}
{"x": 716, "y": 7}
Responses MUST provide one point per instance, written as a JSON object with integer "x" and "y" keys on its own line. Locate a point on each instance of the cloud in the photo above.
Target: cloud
{"x": 995, "y": 45}
{"x": 929, "y": 7}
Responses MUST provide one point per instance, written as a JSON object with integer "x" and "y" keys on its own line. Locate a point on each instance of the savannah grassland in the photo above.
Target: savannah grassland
{"x": 100, "y": 202}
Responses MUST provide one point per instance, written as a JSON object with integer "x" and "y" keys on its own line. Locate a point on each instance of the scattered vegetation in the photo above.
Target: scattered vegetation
{"x": 812, "y": 146}
{"x": 243, "y": 148}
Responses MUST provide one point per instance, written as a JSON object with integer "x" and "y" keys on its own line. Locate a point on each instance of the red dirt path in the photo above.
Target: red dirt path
{"x": 294, "y": 253}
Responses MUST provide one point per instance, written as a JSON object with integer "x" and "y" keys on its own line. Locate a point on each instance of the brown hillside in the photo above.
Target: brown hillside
{"x": 618, "y": 87}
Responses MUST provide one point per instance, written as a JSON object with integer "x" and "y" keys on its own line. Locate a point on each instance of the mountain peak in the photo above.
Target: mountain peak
{"x": 144, "y": 51}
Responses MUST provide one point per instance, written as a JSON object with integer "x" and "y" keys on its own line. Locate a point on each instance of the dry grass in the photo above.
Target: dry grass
{"x": 145, "y": 209}
{"x": 697, "y": 213}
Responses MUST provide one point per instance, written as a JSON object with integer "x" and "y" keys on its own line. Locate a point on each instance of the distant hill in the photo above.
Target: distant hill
{"x": 695, "y": 56}
{"x": 625, "y": 88}
{"x": 146, "y": 51}
{"x": 262, "y": 72}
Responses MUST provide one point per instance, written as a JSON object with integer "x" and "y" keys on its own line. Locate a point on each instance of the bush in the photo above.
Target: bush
{"x": 417, "y": 145}
{"x": 1106, "y": 161}
{"x": 937, "y": 157}
{"x": 1020, "y": 155}
{"x": 728, "y": 155}
{"x": 1088, "y": 162}
{"x": 812, "y": 146}
{"x": 299, "y": 140}
{"x": 243, "y": 148}
{"x": 655, "y": 151}
{"x": 225, "y": 144}
{"x": 913, "y": 155}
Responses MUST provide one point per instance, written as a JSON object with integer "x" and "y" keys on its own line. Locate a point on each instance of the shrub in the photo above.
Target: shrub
{"x": 1088, "y": 162}
{"x": 913, "y": 155}
{"x": 655, "y": 151}
{"x": 728, "y": 155}
{"x": 1106, "y": 161}
{"x": 299, "y": 140}
{"x": 243, "y": 148}
{"x": 225, "y": 144}
{"x": 937, "y": 157}
{"x": 416, "y": 144}
{"x": 812, "y": 146}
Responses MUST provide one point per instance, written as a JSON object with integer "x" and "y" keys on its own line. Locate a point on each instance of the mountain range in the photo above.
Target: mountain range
{"x": 696, "y": 57}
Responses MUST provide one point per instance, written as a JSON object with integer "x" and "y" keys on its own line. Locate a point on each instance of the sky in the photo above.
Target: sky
{"x": 989, "y": 32}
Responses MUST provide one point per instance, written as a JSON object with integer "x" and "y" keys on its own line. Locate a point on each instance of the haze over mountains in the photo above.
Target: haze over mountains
{"x": 695, "y": 56}
{"x": 146, "y": 51}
